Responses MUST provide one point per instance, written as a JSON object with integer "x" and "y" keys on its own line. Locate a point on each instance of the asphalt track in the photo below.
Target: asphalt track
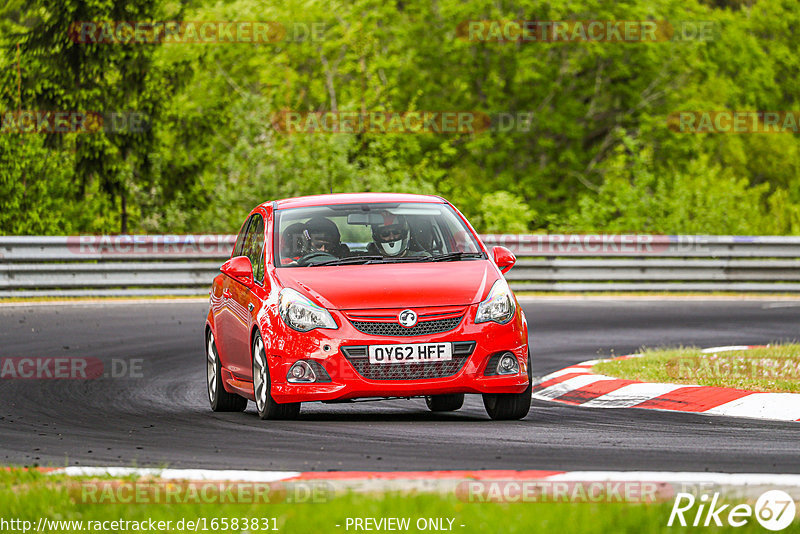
{"x": 163, "y": 419}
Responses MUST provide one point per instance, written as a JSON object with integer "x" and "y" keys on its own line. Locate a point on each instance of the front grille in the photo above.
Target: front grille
{"x": 422, "y": 328}
{"x": 319, "y": 370}
{"x": 491, "y": 366}
{"x": 408, "y": 371}
{"x": 358, "y": 358}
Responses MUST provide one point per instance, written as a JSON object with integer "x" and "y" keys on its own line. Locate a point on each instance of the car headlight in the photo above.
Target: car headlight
{"x": 300, "y": 313}
{"x": 499, "y": 306}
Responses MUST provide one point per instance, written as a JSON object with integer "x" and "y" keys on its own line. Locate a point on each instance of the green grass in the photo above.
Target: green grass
{"x": 770, "y": 369}
{"x": 31, "y": 495}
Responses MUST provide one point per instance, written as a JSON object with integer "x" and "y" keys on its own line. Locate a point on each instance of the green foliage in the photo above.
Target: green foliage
{"x": 57, "y": 73}
{"x": 33, "y": 181}
{"x": 702, "y": 198}
{"x": 504, "y": 212}
{"x": 597, "y": 155}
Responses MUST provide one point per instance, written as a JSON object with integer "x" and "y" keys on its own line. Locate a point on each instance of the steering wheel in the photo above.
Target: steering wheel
{"x": 310, "y": 258}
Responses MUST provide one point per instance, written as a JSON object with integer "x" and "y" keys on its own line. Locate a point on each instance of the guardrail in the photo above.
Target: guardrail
{"x": 185, "y": 265}
{"x": 652, "y": 263}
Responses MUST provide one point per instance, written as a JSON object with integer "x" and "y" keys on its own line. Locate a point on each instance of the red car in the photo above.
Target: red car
{"x": 338, "y": 297}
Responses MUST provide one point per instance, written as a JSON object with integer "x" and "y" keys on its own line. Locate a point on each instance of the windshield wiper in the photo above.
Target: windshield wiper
{"x": 404, "y": 259}
{"x": 455, "y": 256}
{"x": 367, "y": 260}
{"x": 371, "y": 260}
{"x": 350, "y": 260}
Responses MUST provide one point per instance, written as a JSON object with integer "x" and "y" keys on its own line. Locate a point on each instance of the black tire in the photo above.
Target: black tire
{"x": 445, "y": 403}
{"x": 266, "y": 406}
{"x": 220, "y": 400}
{"x": 507, "y": 406}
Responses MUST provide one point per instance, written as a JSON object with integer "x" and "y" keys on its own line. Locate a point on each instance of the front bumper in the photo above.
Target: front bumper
{"x": 325, "y": 347}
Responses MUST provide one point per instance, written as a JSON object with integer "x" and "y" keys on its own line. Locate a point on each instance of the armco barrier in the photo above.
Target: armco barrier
{"x": 185, "y": 265}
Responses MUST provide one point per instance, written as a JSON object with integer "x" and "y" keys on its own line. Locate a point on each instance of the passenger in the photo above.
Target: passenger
{"x": 391, "y": 237}
{"x": 422, "y": 235}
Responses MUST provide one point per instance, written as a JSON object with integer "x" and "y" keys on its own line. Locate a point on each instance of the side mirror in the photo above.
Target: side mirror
{"x": 504, "y": 258}
{"x": 239, "y": 269}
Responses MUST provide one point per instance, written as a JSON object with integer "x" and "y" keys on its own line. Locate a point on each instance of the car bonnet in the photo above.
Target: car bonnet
{"x": 407, "y": 285}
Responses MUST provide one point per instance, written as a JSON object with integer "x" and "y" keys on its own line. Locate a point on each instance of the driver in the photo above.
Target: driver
{"x": 323, "y": 236}
{"x": 391, "y": 237}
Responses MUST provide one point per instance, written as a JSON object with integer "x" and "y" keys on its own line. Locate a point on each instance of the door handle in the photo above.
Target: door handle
{"x": 251, "y": 306}
{"x": 226, "y": 293}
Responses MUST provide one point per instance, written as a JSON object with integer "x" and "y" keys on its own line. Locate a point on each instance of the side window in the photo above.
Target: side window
{"x": 254, "y": 247}
{"x": 237, "y": 249}
{"x": 258, "y": 271}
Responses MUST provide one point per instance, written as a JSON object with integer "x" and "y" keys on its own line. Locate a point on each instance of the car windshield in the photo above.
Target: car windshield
{"x": 372, "y": 233}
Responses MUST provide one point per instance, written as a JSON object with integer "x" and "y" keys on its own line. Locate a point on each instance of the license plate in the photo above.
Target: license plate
{"x": 411, "y": 353}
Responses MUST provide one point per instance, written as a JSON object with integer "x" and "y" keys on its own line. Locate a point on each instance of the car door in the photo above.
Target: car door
{"x": 226, "y": 317}
{"x": 243, "y": 303}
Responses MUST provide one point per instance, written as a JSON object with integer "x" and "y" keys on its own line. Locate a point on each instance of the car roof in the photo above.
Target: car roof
{"x": 353, "y": 198}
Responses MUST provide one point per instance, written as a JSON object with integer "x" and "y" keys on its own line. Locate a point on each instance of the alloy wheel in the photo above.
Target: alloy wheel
{"x": 260, "y": 374}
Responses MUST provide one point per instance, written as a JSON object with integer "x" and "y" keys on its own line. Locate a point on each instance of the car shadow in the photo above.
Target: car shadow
{"x": 354, "y": 415}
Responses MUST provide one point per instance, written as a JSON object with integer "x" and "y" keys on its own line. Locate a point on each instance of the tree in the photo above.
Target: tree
{"x": 113, "y": 80}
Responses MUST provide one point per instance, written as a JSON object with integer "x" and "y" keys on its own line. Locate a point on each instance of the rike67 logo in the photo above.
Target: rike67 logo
{"x": 774, "y": 510}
